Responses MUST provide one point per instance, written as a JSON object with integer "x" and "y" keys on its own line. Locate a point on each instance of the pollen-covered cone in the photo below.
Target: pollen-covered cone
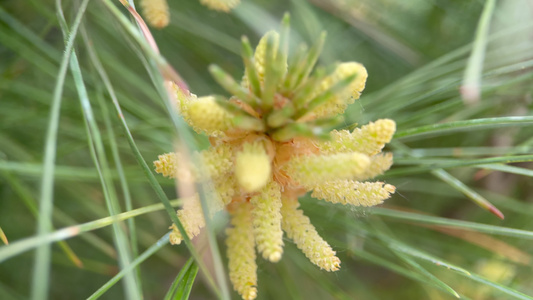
{"x": 212, "y": 163}
{"x": 313, "y": 169}
{"x": 219, "y": 194}
{"x": 299, "y": 228}
{"x": 156, "y": 12}
{"x": 220, "y": 5}
{"x": 338, "y": 103}
{"x": 205, "y": 115}
{"x": 267, "y": 221}
{"x": 215, "y": 161}
{"x": 184, "y": 98}
{"x": 369, "y": 139}
{"x": 379, "y": 163}
{"x": 226, "y": 188}
{"x": 191, "y": 217}
{"x": 252, "y": 167}
{"x": 241, "y": 253}
{"x": 353, "y": 192}
{"x": 167, "y": 165}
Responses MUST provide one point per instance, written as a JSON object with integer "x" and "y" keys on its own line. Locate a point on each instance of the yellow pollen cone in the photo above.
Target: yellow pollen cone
{"x": 252, "y": 167}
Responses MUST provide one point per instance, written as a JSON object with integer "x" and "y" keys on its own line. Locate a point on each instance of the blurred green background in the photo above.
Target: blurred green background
{"x": 416, "y": 53}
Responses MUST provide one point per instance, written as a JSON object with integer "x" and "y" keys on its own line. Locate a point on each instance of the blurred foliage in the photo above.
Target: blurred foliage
{"x": 415, "y": 52}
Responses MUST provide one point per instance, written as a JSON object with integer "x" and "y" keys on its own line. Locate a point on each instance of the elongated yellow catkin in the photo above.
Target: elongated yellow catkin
{"x": 212, "y": 163}
{"x": 353, "y": 192}
{"x": 338, "y": 103}
{"x": 156, "y": 12}
{"x": 184, "y": 99}
{"x": 215, "y": 161}
{"x": 369, "y": 139}
{"x": 379, "y": 163}
{"x": 299, "y": 228}
{"x": 225, "y": 187}
{"x": 221, "y": 5}
{"x": 241, "y": 251}
{"x": 191, "y": 217}
{"x": 252, "y": 167}
{"x": 206, "y": 116}
{"x": 313, "y": 169}
{"x": 267, "y": 222}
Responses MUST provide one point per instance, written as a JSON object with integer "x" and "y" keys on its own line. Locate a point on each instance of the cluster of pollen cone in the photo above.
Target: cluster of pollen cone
{"x": 270, "y": 144}
{"x": 157, "y": 13}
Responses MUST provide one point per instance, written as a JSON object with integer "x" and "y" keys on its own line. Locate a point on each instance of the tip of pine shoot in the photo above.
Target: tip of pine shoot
{"x": 471, "y": 93}
{"x": 496, "y": 212}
